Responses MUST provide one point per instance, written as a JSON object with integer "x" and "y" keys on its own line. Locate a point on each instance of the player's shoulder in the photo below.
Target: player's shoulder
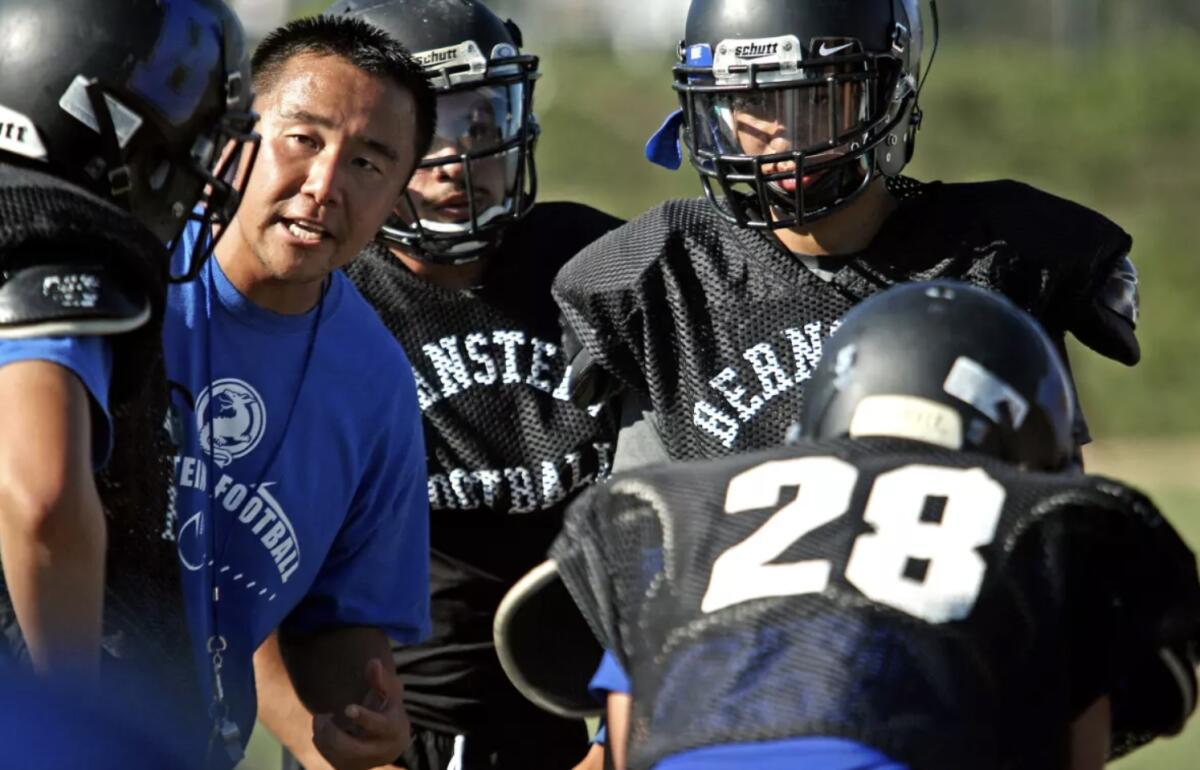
{"x": 377, "y": 271}
{"x": 391, "y": 290}
{"x": 1077, "y": 506}
{"x": 696, "y": 474}
{"x": 1117, "y": 495}
{"x": 535, "y": 247}
{"x": 571, "y": 216}
{"x": 1023, "y": 212}
{"x": 622, "y": 256}
{"x": 73, "y": 263}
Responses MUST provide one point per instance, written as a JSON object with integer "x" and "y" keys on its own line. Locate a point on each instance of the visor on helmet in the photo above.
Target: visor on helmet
{"x": 786, "y": 136}
{"x": 472, "y": 171}
{"x": 479, "y": 175}
{"x": 824, "y": 111}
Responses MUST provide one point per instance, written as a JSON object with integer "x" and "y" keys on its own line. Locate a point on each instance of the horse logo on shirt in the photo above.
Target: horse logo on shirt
{"x": 236, "y": 422}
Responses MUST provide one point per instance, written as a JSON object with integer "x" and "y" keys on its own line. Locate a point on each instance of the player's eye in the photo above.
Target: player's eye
{"x": 755, "y": 104}
{"x": 302, "y": 140}
{"x": 367, "y": 165}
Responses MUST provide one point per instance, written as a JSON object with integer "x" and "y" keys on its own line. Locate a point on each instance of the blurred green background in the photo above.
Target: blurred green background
{"x": 1094, "y": 100}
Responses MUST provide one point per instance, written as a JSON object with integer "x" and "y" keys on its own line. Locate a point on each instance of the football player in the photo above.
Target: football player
{"x": 462, "y": 278}
{"x": 919, "y": 584}
{"x": 799, "y": 116}
{"x": 115, "y": 116}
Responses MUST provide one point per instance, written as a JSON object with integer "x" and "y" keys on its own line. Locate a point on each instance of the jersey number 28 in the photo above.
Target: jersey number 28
{"x": 946, "y": 549}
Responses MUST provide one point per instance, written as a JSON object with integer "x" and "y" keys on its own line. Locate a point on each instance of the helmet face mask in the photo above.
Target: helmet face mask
{"x": 478, "y": 176}
{"x": 787, "y": 129}
{"x": 223, "y": 178}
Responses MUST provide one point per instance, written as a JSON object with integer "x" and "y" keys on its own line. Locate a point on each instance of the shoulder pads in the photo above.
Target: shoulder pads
{"x": 67, "y": 300}
{"x": 590, "y": 383}
{"x": 1107, "y": 323}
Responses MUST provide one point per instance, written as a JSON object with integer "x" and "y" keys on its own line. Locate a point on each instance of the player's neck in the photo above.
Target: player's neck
{"x": 450, "y": 277}
{"x": 847, "y": 231}
{"x": 254, "y": 281}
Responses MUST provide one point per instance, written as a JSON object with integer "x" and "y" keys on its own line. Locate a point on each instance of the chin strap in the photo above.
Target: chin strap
{"x": 120, "y": 180}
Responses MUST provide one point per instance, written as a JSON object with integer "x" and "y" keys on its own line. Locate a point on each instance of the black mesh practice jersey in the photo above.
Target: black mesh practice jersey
{"x": 720, "y": 328}
{"x": 944, "y": 608}
{"x": 506, "y": 447}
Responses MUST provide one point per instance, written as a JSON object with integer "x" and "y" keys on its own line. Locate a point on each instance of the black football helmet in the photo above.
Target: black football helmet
{"x": 949, "y": 364}
{"x": 143, "y": 102}
{"x": 479, "y": 177}
{"x": 791, "y": 107}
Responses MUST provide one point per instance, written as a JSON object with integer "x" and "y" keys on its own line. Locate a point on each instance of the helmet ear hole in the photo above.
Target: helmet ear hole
{"x": 893, "y": 154}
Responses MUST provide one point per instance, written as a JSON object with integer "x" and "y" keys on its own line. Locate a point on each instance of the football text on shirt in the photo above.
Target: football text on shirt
{"x": 459, "y": 363}
{"x": 502, "y": 357}
{"x": 524, "y": 489}
{"x": 773, "y": 372}
{"x": 253, "y": 506}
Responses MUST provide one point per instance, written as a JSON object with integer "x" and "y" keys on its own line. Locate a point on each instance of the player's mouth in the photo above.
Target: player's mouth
{"x": 304, "y": 232}
{"x": 456, "y": 206}
{"x": 789, "y": 183}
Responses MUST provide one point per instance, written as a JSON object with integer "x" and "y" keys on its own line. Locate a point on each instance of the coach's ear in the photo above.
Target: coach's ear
{"x": 545, "y": 646}
{"x": 590, "y": 383}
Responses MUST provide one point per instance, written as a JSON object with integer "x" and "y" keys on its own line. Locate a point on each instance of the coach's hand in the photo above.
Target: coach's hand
{"x": 369, "y": 734}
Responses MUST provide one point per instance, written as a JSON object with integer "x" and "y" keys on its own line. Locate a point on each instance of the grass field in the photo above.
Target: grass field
{"x": 1166, "y": 469}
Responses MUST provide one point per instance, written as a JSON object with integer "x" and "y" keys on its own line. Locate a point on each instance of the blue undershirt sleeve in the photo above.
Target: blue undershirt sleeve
{"x": 89, "y": 359}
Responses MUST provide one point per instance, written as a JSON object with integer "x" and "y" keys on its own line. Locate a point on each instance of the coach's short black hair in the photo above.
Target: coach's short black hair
{"x": 365, "y": 46}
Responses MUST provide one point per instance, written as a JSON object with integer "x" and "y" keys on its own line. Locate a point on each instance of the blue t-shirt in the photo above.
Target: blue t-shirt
{"x": 809, "y": 753}
{"x": 319, "y": 509}
{"x": 90, "y": 358}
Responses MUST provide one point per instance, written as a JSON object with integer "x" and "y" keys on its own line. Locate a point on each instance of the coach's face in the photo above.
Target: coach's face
{"x": 337, "y": 149}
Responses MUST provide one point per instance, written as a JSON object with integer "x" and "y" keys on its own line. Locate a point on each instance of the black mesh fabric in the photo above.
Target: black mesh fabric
{"x": 145, "y": 632}
{"x": 506, "y": 449}
{"x": 1082, "y": 577}
{"x": 720, "y": 328}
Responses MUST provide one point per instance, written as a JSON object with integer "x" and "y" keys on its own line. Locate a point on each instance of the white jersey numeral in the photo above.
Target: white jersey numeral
{"x": 927, "y": 568}
{"x": 953, "y": 570}
{"x": 742, "y": 572}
